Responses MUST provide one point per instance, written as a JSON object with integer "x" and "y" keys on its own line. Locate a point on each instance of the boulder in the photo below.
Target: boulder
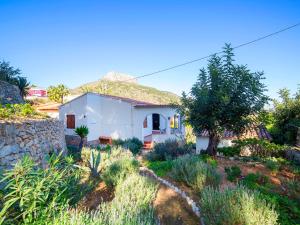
{"x": 9, "y": 94}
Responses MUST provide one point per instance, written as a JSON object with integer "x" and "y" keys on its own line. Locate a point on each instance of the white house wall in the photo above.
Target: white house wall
{"x": 77, "y": 108}
{"x": 108, "y": 117}
{"x": 202, "y": 143}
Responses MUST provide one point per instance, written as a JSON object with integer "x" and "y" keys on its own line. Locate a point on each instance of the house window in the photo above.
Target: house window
{"x": 71, "y": 121}
{"x": 174, "y": 122}
{"x": 145, "y": 124}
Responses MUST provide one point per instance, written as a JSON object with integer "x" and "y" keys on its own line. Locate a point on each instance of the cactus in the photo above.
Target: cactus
{"x": 94, "y": 162}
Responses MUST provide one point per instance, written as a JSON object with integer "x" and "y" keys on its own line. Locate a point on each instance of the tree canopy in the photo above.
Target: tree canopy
{"x": 57, "y": 93}
{"x": 224, "y": 97}
{"x": 284, "y": 120}
{"x": 13, "y": 76}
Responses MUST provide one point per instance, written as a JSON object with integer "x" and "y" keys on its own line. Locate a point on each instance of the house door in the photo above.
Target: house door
{"x": 155, "y": 121}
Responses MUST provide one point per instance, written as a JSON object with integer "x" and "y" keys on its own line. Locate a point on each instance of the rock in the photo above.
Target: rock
{"x": 9, "y": 94}
{"x": 8, "y": 150}
{"x": 36, "y": 138}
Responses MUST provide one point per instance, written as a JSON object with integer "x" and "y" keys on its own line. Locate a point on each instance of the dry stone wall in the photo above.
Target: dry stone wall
{"x": 9, "y": 94}
{"x": 36, "y": 138}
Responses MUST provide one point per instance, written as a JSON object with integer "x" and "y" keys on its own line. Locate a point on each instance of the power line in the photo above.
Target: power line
{"x": 216, "y": 53}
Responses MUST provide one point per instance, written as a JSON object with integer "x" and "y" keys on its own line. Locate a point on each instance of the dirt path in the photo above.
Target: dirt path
{"x": 172, "y": 209}
{"x": 100, "y": 194}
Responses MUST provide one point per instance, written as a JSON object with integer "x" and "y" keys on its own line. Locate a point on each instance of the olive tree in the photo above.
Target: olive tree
{"x": 57, "y": 93}
{"x": 224, "y": 97}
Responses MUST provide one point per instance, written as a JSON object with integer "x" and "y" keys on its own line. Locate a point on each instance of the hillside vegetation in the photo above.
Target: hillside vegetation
{"x": 128, "y": 90}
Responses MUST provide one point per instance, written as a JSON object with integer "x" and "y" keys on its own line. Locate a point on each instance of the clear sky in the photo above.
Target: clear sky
{"x": 74, "y": 42}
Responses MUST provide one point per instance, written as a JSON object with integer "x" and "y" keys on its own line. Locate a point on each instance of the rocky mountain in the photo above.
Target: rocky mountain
{"x": 124, "y": 85}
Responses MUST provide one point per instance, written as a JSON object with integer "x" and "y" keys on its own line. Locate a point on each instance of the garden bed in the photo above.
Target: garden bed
{"x": 277, "y": 184}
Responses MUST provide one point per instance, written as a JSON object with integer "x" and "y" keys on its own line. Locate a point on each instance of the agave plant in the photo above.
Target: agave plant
{"x": 94, "y": 162}
{"x": 82, "y": 132}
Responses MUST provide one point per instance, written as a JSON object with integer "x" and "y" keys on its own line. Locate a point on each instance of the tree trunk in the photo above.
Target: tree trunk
{"x": 213, "y": 144}
{"x": 80, "y": 144}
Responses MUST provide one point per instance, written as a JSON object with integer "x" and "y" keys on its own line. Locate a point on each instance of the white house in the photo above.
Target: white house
{"x": 118, "y": 117}
{"x": 258, "y": 131}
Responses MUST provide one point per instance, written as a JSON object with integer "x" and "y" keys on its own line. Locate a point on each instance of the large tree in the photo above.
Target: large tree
{"x": 225, "y": 96}
{"x": 285, "y": 123}
{"x": 57, "y": 93}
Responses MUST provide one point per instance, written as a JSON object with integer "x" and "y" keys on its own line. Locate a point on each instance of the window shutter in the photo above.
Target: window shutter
{"x": 71, "y": 121}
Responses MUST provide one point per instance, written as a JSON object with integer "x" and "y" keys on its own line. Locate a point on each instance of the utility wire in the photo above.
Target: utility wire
{"x": 216, "y": 53}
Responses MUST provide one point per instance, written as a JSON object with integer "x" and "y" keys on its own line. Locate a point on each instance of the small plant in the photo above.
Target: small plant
{"x": 160, "y": 168}
{"x": 82, "y": 132}
{"x": 233, "y": 173}
{"x": 133, "y": 144}
{"x": 229, "y": 151}
{"x": 236, "y": 206}
{"x": 119, "y": 170}
{"x": 94, "y": 163}
{"x": 168, "y": 150}
{"x": 272, "y": 164}
{"x": 194, "y": 172}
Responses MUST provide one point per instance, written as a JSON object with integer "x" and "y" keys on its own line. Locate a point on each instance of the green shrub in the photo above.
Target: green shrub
{"x": 209, "y": 160}
{"x": 194, "y": 172}
{"x": 133, "y": 144}
{"x": 119, "y": 170}
{"x": 11, "y": 111}
{"x": 30, "y": 190}
{"x": 168, "y": 150}
{"x": 272, "y": 164}
{"x": 287, "y": 208}
{"x": 233, "y": 173}
{"x": 236, "y": 206}
{"x": 160, "y": 168}
{"x": 131, "y": 206}
{"x": 260, "y": 147}
{"x": 229, "y": 151}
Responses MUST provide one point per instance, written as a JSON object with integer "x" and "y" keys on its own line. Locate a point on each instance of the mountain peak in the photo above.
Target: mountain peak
{"x": 117, "y": 76}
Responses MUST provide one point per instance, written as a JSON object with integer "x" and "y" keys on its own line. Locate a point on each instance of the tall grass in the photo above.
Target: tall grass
{"x": 194, "y": 172}
{"x": 236, "y": 206}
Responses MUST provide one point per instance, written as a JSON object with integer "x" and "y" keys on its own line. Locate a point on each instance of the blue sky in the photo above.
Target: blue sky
{"x": 74, "y": 42}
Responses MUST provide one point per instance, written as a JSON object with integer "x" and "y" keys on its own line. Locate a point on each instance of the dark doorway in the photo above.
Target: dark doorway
{"x": 155, "y": 121}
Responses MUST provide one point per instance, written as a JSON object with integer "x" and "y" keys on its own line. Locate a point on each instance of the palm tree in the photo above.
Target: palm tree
{"x": 23, "y": 85}
{"x": 82, "y": 132}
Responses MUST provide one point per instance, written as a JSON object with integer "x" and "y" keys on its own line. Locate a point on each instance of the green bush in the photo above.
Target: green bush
{"x": 131, "y": 206}
{"x": 209, "y": 160}
{"x": 287, "y": 208}
{"x": 233, "y": 173}
{"x": 194, "y": 172}
{"x": 160, "y": 168}
{"x": 236, "y": 206}
{"x": 168, "y": 150}
{"x": 133, "y": 144}
{"x": 12, "y": 111}
{"x": 272, "y": 164}
{"x": 119, "y": 170}
{"x": 229, "y": 151}
{"x": 31, "y": 192}
{"x": 261, "y": 148}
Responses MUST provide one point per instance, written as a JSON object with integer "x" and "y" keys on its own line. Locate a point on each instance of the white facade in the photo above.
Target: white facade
{"x": 202, "y": 143}
{"x": 119, "y": 118}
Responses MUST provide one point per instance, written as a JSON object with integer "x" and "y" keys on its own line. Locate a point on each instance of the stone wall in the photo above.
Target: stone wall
{"x": 36, "y": 138}
{"x": 9, "y": 94}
